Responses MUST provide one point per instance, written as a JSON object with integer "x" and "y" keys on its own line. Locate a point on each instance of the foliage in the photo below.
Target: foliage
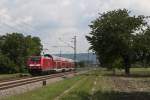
{"x": 6, "y": 65}
{"x": 118, "y": 63}
{"x": 112, "y": 35}
{"x": 142, "y": 47}
{"x": 15, "y": 48}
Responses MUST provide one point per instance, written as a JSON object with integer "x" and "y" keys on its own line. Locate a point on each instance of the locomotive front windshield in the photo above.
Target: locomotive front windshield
{"x": 35, "y": 59}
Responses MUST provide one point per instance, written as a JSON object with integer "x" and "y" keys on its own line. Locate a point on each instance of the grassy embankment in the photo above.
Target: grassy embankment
{"x": 96, "y": 85}
{"x": 9, "y": 76}
{"x": 48, "y": 92}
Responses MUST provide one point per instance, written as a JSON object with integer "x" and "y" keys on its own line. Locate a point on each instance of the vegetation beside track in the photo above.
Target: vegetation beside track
{"x": 9, "y": 76}
{"x": 96, "y": 85}
{"x": 48, "y": 92}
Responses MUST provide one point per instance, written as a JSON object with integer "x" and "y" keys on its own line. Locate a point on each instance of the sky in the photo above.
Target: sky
{"x": 56, "y": 22}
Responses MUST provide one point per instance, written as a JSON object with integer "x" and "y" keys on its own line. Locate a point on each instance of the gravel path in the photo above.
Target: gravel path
{"x": 124, "y": 84}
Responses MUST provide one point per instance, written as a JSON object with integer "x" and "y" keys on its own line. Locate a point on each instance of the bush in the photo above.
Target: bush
{"x": 15, "y": 48}
{"x": 6, "y": 65}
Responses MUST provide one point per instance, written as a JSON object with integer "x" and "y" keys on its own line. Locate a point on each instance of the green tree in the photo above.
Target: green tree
{"x": 17, "y": 48}
{"x": 33, "y": 45}
{"x": 141, "y": 46}
{"x": 13, "y": 48}
{"x": 6, "y": 65}
{"x": 112, "y": 35}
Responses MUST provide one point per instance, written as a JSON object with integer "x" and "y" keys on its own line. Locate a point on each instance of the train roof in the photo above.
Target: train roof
{"x": 58, "y": 58}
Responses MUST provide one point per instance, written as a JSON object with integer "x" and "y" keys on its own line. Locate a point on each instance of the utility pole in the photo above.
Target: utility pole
{"x": 44, "y": 50}
{"x": 75, "y": 48}
{"x": 88, "y": 57}
{"x": 60, "y": 53}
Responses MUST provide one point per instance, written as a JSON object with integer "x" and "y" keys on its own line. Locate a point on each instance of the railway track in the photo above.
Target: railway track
{"x": 13, "y": 79}
{"x": 15, "y": 83}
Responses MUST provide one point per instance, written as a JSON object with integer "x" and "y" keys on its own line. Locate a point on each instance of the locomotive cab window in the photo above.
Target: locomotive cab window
{"x": 35, "y": 59}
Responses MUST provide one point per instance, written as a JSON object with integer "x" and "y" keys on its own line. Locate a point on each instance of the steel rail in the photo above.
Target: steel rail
{"x": 11, "y": 84}
{"x": 13, "y": 79}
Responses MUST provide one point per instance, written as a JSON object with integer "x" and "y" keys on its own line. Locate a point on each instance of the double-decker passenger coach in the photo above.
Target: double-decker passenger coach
{"x": 49, "y": 63}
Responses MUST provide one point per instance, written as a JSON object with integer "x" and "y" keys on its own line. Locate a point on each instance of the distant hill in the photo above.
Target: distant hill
{"x": 81, "y": 57}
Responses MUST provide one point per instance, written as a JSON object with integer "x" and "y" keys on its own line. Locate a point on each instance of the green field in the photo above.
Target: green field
{"x": 96, "y": 85}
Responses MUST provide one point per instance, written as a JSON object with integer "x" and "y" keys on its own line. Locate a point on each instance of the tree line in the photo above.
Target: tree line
{"x": 15, "y": 48}
{"x": 120, "y": 39}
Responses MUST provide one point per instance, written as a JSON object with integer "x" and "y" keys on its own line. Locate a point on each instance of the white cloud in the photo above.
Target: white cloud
{"x": 51, "y": 19}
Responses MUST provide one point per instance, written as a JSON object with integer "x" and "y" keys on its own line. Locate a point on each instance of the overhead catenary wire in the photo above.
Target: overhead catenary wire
{"x": 21, "y": 27}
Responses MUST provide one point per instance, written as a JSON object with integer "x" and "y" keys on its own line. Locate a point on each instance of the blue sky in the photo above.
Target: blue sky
{"x": 55, "y": 19}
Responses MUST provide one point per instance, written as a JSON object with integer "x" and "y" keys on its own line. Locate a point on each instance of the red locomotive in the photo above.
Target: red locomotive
{"x": 49, "y": 63}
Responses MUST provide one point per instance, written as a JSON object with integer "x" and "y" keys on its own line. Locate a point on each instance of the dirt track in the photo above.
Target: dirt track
{"x": 125, "y": 84}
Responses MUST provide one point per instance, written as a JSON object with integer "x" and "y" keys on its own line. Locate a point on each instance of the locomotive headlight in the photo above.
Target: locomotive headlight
{"x": 35, "y": 65}
{"x": 38, "y": 65}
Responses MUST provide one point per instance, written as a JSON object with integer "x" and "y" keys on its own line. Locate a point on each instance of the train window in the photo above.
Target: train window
{"x": 35, "y": 59}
